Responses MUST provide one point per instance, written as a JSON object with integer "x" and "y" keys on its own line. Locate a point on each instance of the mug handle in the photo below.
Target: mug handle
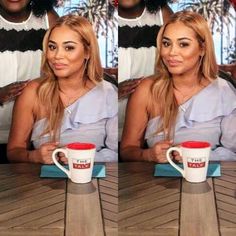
{"x": 68, "y": 173}
{"x": 171, "y": 162}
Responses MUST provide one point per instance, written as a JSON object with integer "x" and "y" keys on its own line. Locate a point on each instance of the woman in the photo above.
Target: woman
{"x": 70, "y": 102}
{"x": 23, "y": 24}
{"x": 139, "y": 23}
{"x": 185, "y": 100}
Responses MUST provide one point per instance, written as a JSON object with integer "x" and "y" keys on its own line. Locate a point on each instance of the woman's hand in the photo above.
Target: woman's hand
{"x": 158, "y": 151}
{"x": 11, "y": 91}
{"x": 127, "y": 87}
{"x": 43, "y": 155}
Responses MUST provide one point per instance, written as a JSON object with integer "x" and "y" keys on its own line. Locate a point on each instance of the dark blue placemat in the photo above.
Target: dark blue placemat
{"x": 52, "y": 171}
{"x": 168, "y": 170}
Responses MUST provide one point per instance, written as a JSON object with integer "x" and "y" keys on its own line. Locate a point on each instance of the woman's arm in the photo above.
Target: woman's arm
{"x": 110, "y": 152}
{"x": 21, "y": 128}
{"x": 22, "y": 123}
{"x": 137, "y": 115}
{"x": 227, "y": 150}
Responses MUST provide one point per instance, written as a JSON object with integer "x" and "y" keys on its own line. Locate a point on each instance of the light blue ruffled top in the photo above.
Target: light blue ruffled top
{"x": 92, "y": 118}
{"x": 210, "y": 115}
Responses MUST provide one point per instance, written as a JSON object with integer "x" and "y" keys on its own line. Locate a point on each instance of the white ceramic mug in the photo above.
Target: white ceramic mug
{"x": 195, "y": 156}
{"x": 80, "y": 160}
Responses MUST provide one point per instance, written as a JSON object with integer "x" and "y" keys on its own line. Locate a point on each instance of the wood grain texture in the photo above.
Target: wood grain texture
{"x": 30, "y": 205}
{"x": 83, "y": 211}
{"x": 198, "y": 209}
{"x": 108, "y": 189}
{"x": 147, "y": 205}
{"x": 225, "y": 193}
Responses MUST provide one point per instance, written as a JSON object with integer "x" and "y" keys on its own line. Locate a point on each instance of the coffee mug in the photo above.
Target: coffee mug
{"x": 195, "y": 156}
{"x": 80, "y": 161}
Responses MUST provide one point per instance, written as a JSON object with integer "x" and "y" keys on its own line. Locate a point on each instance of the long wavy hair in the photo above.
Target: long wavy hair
{"x": 162, "y": 90}
{"x": 48, "y": 91}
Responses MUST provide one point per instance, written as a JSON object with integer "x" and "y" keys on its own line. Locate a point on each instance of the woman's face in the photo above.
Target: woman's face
{"x": 14, "y": 6}
{"x": 65, "y": 53}
{"x": 180, "y": 49}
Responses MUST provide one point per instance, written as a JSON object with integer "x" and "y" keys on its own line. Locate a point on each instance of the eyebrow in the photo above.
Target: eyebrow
{"x": 179, "y": 39}
{"x": 66, "y": 42}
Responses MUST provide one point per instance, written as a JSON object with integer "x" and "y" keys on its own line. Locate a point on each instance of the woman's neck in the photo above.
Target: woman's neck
{"x": 131, "y": 13}
{"x": 68, "y": 85}
{"x": 17, "y": 17}
{"x": 185, "y": 82}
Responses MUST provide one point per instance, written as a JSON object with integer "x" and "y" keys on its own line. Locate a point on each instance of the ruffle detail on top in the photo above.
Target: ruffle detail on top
{"x": 99, "y": 103}
{"x": 218, "y": 99}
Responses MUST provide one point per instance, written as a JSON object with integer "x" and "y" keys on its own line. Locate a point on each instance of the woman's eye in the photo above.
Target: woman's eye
{"x": 51, "y": 47}
{"x": 165, "y": 43}
{"x": 69, "y": 48}
{"x": 182, "y": 45}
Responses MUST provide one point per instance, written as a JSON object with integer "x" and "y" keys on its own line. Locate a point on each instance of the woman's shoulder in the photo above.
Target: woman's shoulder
{"x": 145, "y": 85}
{"x": 215, "y": 100}
{"x": 28, "y": 98}
{"x": 101, "y": 102}
{"x": 32, "y": 86}
{"x": 106, "y": 88}
{"x": 224, "y": 84}
{"x": 141, "y": 95}
{"x": 221, "y": 88}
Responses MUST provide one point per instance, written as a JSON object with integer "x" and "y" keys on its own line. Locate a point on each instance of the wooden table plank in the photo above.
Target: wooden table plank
{"x": 150, "y": 232}
{"x": 109, "y": 199}
{"x": 33, "y": 206}
{"x": 147, "y": 205}
{"x": 198, "y": 209}
{"x": 83, "y": 211}
{"x": 225, "y": 193}
{"x": 30, "y": 205}
{"x": 31, "y": 232}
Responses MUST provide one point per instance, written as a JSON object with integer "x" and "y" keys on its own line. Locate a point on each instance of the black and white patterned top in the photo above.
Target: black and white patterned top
{"x": 137, "y": 44}
{"x": 136, "y": 50}
{"x": 20, "y": 58}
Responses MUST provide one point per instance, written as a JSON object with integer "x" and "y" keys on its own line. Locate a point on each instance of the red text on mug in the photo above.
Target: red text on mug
{"x": 81, "y": 164}
{"x": 196, "y": 162}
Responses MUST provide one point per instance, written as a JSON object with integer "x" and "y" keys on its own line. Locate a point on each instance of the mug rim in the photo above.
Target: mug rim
{"x": 80, "y": 146}
{"x": 195, "y": 144}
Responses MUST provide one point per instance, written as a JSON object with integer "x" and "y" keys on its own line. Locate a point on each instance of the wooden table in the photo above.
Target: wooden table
{"x": 30, "y": 206}
{"x": 157, "y": 206}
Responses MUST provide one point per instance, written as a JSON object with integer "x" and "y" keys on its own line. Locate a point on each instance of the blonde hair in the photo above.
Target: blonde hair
{"x": 48, "y": 91}
{"x": 162, "y": 90}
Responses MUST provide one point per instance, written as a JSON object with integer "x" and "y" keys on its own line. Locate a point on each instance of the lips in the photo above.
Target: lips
{"x": 59, "y": 66}
{"x": 14, "y": 1}
{"x": 173, "y": 63}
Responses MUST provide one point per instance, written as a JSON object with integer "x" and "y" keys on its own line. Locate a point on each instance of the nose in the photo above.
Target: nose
{"x": 59, "y": 53}
{"x": 173, "y": 49}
